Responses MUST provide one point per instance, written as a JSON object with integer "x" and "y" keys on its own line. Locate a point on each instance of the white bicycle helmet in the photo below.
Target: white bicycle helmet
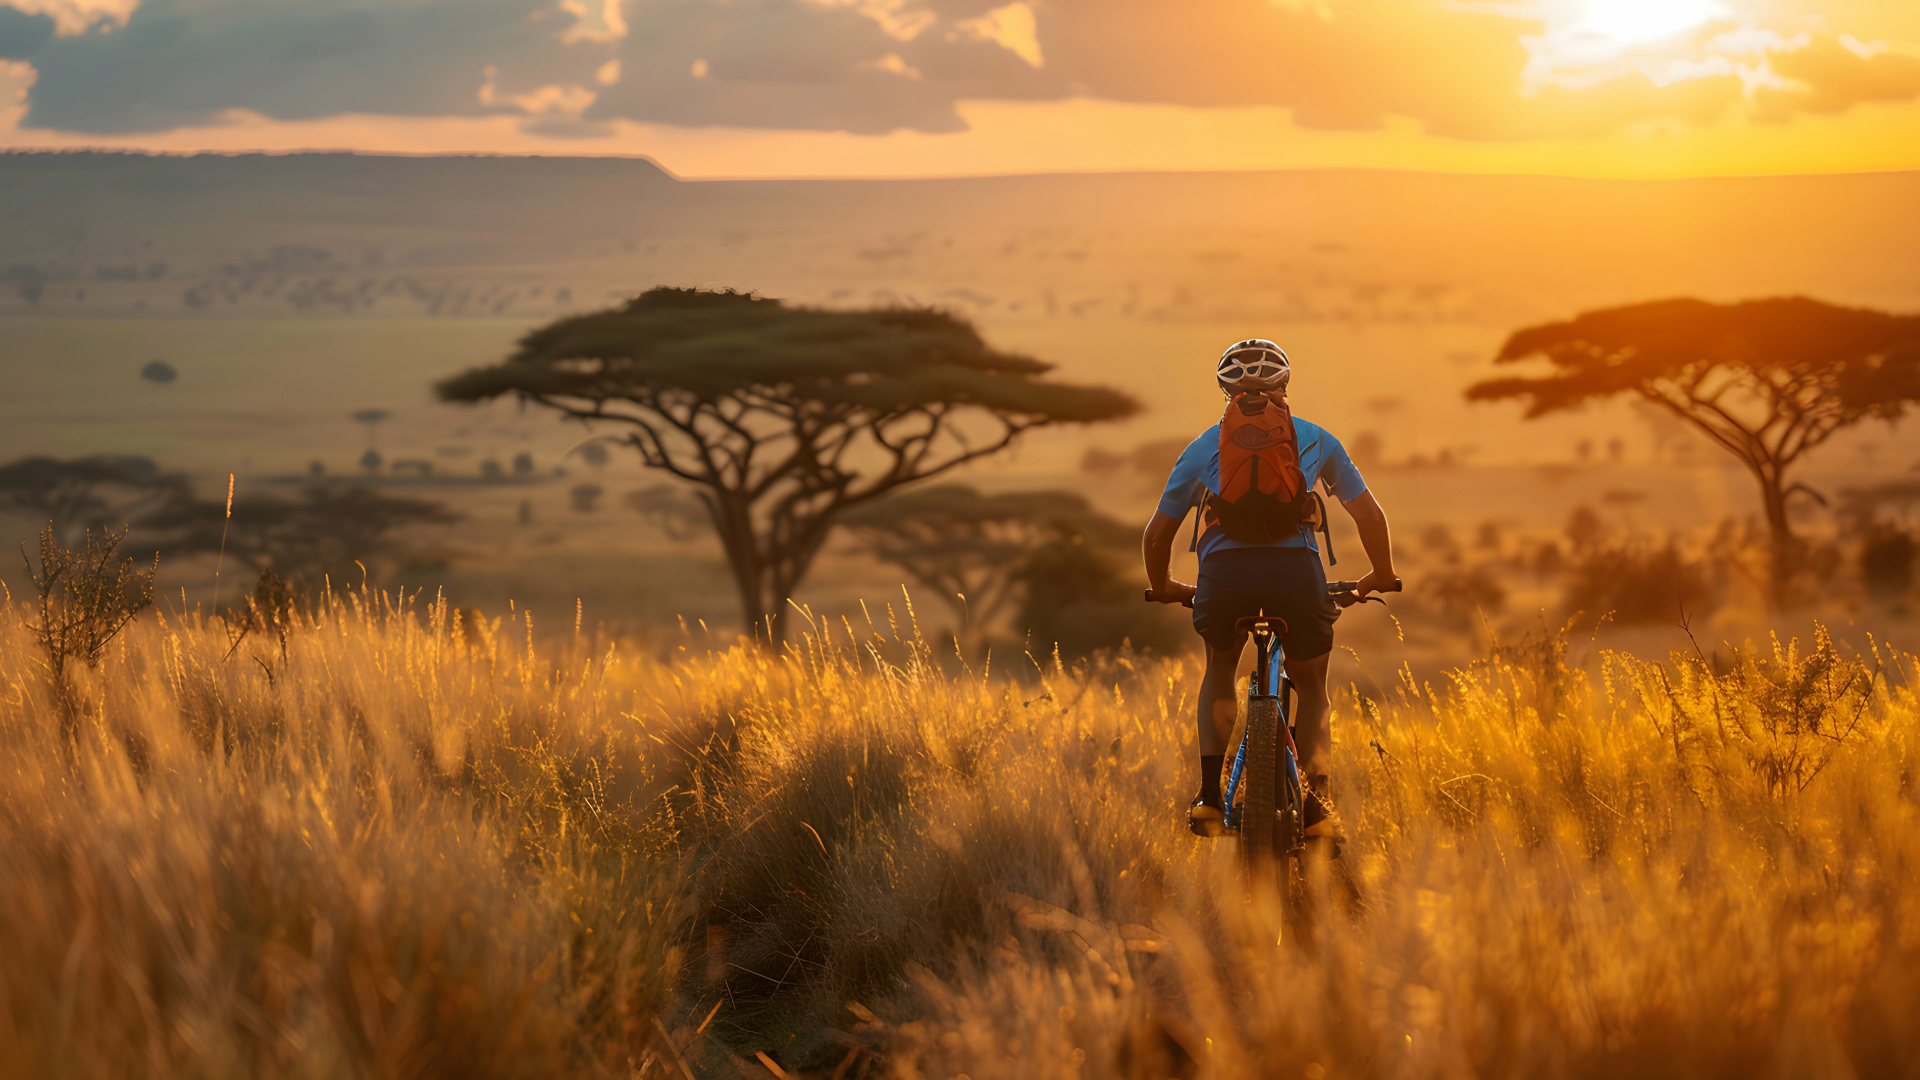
{"x": 1255, "y": 359}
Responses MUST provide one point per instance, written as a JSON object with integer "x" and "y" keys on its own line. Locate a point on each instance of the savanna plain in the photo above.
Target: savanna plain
{"x": 405, "y": 842}
{"x": 520, "y": 797}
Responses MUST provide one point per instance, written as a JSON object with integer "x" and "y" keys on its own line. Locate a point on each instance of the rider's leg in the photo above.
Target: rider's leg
{"x": 1216, "y": 709}
{"x": 1313, "y": 738}
{"x": 1312, "y": 735}
{"x": 1219, "y": 704}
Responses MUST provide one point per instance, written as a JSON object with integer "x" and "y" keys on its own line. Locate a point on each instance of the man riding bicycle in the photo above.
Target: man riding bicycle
{"x": 1269, "y": 565}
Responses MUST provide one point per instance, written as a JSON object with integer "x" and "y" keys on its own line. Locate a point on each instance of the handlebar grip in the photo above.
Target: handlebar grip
{"x": 1338, "y": 588}
{"x": 1150, "y": 598}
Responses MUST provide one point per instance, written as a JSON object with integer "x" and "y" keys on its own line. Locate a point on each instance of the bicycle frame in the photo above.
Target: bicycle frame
{"x": 1268, "y": 669}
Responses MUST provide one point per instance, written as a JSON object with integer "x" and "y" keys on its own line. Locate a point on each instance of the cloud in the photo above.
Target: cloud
{"x": 1013, "y": 28}
{"x": 21, "y": 34}
{"x": 865, "y": 67}
{"x": 16, "y": 80}
{"x": 1491, "y": 70}
{"x": 181, "y": 62}
{"x": 1351, "y": 65}
{"x": 79, "y": 16}
{"x": 1833, "y": 74}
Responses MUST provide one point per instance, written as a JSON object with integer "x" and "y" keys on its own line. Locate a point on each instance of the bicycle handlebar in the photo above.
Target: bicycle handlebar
{"x": 1151, "y": 599}
{"x": 1334, "y": 588}
{"x": 1341, "y": 588}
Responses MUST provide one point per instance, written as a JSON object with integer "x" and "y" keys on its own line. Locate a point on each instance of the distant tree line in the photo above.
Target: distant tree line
{"x": 338, "y": 532}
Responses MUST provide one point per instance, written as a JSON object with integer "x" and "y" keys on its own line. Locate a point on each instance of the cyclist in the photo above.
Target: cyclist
{"x": 1286, "y": 579}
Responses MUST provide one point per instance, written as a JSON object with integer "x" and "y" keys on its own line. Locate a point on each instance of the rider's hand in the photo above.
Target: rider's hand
{"x": 1176, "y": 592}
{"x": 1372, "y": 583}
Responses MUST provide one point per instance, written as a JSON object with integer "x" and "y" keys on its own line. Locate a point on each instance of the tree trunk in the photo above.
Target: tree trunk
{"x": 733, "y": 523}
{"x": 1783, "y": 546}
{"x": 787, "y": 566}
{"x": 785, "y": 578}
{"x": 752, "y": 607}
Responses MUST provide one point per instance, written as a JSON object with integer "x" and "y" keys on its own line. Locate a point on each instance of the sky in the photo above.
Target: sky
{"x": 790, "y": 88}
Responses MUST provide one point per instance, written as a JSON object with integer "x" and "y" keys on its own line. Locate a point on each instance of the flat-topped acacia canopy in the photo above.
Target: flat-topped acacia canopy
{"x": 1858, "y": 362}
{"x": 1768, "y": 380}
{"x": 714, "y": 344}
{"x": 785, "y": 415}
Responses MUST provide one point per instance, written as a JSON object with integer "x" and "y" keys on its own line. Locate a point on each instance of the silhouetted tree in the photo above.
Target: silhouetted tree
{"x": 672, "y": 510}
{"x": 956, "y": 541}
{"x": 372, "y": 418}
{"x": 1080, "y": 591}
{"x": 784, "y": 416}
{"x": 324, "y": 532}
{"x": 98, "y": 492}
{"x": 1768, "y": 380}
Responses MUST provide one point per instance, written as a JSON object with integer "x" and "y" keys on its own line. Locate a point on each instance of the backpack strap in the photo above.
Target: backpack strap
{"x": 1199, "y": 511}
{"x": 1326, "y": 533}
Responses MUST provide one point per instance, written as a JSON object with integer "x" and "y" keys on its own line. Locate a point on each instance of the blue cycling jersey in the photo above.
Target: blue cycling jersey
{"x": 1322, "y": 460}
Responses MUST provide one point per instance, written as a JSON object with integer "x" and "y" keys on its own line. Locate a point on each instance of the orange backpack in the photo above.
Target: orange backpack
{"x": 1264, "y": 498}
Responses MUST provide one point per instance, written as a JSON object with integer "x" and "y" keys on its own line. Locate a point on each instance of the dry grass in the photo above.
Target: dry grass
{"x": 405, "y": 848}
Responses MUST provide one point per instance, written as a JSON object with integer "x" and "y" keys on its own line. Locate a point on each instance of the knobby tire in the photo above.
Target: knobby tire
{"x": 1260, "y": 840}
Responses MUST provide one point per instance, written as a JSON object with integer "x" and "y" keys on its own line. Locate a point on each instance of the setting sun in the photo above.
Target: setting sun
{"x": 1628, "y": 22}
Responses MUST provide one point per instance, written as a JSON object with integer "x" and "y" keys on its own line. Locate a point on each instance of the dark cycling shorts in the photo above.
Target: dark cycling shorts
{"x": 1284, "y": 581}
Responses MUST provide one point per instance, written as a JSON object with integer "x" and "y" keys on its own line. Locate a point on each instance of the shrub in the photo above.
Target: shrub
{"x": 1886, "y": 561}
{"x": 1637, "y": 585}
{"x": 1082, "y": 597}
{"x": 84, "y": 599}
{"x": 1465, "y": 593}
{"x": 1584, "y": 528}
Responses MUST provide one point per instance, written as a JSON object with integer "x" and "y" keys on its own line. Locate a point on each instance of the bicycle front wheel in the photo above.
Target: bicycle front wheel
{"x": 1259, "y": 811}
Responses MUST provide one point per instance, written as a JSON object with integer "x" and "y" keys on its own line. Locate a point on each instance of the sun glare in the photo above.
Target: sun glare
{"x": 1631, "y": 21}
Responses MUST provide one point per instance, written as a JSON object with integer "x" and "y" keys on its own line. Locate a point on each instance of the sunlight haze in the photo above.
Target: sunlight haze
{"x": 1614, "y": 88}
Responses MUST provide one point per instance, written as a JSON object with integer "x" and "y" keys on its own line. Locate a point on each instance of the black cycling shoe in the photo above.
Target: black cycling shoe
{"x": 1206, "y": 819}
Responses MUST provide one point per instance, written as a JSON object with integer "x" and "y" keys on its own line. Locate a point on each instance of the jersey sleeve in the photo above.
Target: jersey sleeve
{"x": 1338, "y": 472}
{"x": 1183, "y": 483}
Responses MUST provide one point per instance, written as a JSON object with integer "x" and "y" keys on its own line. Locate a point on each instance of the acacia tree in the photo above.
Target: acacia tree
{"x": 85, "y": 493}
{"x": 321, "y": 534}
{"x": 968, "y": 548}
{"x": 784, "y": 417}
{"x": 1766, "y": 380}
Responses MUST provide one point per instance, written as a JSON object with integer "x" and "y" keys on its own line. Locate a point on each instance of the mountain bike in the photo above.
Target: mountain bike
{"x": 1265, "y": 796}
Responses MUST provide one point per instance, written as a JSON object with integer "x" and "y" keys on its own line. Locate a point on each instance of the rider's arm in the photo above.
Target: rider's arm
{"x": 1156, "y": 546}
{"x": 1376, "y": 538}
